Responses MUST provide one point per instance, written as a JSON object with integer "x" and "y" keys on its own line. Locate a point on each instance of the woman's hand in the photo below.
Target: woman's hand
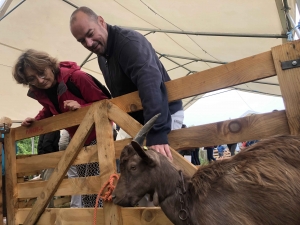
{"x": 71, "y": 105}
{"x": 27, "y": 122}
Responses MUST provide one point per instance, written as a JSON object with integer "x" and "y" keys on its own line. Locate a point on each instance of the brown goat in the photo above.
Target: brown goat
{"x": 260, "y": 185}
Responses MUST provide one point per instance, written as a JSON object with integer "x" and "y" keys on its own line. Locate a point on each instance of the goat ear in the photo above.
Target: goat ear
{"x": 140, "y": 151}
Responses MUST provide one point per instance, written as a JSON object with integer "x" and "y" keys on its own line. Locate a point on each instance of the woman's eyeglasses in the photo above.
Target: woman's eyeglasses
{"x": 33, "y": 79}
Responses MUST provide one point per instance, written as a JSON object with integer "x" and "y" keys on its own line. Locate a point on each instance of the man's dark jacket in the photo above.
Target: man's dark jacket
{"x": 131, "y": 64}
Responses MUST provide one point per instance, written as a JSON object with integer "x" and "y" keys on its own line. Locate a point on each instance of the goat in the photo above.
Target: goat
{"x": 260, "y": 185}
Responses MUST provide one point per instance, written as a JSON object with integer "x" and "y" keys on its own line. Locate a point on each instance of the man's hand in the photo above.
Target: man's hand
{"x": 163, "y": 149}
{"x": 71, "y": 105}
{"x": 27, "y": 122}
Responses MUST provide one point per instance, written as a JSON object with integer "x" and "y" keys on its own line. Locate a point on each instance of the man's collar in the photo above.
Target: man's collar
{"x": 110, "y": 41}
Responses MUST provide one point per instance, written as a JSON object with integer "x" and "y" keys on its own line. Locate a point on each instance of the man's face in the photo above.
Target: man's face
{"x": 91, "y": 34}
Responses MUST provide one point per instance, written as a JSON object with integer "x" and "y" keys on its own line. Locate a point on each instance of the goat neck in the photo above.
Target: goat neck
{"x": 173, "y": 195}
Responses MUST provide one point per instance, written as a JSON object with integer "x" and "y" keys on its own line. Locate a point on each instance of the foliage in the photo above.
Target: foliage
{"x": 25, "y": 147}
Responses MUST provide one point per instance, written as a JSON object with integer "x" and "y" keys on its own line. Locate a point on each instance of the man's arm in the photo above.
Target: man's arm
{"x": 139, "y": 61}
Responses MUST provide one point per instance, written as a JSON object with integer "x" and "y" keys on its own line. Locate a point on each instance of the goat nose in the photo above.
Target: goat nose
{"x": 113, "y": 196}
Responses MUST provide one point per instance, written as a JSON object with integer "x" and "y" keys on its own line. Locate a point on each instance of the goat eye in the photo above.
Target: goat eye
{"x": 133, "y": 168}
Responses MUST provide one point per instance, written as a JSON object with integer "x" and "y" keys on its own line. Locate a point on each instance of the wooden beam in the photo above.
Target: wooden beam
{"x": 260, "y": 126}
{"x": 255, "y": 127}
{"x": 131, "y": 126}
{"x": 74, "y": 186}
{"x": 238, "y": 72}
{"x": 289, "y": 82}
{"x": 10, "y": 176}
{"x": 75, "y": 216}
{"x": 40, "y": 162}
{"x": 65, "y": 162}
{"x": 1, "y": 186}
{"x": 58, "y": 122}
{"x": 106, "y": 157}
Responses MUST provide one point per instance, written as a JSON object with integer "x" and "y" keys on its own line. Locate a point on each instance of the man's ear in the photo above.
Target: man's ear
{"x": 101, "y": 21}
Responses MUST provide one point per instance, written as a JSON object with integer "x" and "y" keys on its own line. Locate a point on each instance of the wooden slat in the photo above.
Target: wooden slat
{"x": 289, "y": 82}
{"x": 74, "y": 186}
{"x": 40, "y": 162}
{"x": 132, "y": 127}
{"x": 106, "y": 157}
{"x": 58, "y": 122}
{"x": 10, "y": 176}
{"x": 1, "y": 186}
{"x": 254, "y": 127}
{"x": 64, "y": 164}
{"x": 238, "y": 72}
{"x": 130, "y": 216}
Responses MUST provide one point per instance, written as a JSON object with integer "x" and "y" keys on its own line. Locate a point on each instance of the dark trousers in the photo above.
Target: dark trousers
{"x": 232, "y": 148}
{"x": 210, "y": 154}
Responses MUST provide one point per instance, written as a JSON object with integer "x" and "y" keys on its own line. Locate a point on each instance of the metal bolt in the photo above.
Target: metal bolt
{"x": 294, "y": 63}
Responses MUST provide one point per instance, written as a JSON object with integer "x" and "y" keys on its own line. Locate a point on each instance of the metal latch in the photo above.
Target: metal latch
{"x": 290, "y": 64}
{"x": 4, "y": 129}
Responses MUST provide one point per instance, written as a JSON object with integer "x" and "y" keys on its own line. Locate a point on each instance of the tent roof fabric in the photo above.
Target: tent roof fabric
{"x": 44, "y": 25}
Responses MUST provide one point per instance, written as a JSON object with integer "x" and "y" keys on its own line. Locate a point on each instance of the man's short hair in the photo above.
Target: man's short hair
{"x": 87, "y": 11}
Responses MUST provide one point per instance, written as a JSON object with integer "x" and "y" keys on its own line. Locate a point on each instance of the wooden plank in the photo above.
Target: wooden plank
{"x": 254, "y": 127}
{"x": 238, "y": 72}
{"x": 139, "y": 215}
{"x": 74, "y": 186}
{"x": 58, "y": 122}
{"x": 10, "y": 176}
{"x": 132, "y": 127}
{"x": 40, "y": 162}
{"x": 65, "y": 162}
{"x": 289, "y": 82}
{"x": 1, "y": 186}
{"x": 74, "y": 216}
{"x": 107, "y": 160}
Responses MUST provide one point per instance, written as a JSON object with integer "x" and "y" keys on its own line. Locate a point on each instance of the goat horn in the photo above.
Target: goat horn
{"x": 140, "y": 137}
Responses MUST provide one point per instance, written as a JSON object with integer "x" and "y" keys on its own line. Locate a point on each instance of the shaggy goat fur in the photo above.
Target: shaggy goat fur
{"x": 260, "y": 185}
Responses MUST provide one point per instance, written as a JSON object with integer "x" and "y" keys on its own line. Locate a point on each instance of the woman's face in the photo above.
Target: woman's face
{"x": 43, "y": 80}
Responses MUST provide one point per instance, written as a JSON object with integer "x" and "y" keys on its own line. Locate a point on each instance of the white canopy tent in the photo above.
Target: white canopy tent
{"x": 188, "y": 36}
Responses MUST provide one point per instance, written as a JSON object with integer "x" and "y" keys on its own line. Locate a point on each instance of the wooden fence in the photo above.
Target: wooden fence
{"x": 260, "y": 126}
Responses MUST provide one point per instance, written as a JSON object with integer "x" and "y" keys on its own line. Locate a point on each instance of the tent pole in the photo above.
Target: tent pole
{"x": 207, "y": 33}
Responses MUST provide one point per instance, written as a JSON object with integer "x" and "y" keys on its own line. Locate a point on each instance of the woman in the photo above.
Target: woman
{"x": 48, "y": 83}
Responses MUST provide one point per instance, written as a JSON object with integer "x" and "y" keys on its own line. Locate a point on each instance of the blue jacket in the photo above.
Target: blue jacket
{"x": 3, "y": 157}
{"x": 221, "y": 148}
{"x": 131, "y": 64}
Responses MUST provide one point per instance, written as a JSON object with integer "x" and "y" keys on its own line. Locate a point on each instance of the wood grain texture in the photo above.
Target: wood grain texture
{"x": 289, "y": 82}
{"x": 65, "y": 162}
{"x": 1, "y": 187}
{"x": 106, "y": 157}
{"x": 130, "y": 216}
{"x": 10, "y": 176}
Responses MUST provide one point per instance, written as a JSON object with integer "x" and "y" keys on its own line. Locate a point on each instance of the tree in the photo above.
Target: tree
{"x": 25, "y": 147}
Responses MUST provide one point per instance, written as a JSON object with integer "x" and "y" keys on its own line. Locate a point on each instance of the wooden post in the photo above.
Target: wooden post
{"x": 10, "y": 176}
{"x": 131, "y": 126}
{"x": 106, "y": 156}
{"x": 64, "y": 164}
{"x": 1, "y": 186}
{"x": 289, "y": 81}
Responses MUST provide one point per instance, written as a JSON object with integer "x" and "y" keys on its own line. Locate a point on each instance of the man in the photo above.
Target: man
{"x": 129, "y": 63}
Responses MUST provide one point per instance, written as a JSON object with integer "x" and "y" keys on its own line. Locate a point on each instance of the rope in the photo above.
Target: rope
{"x": 107, "y": 195}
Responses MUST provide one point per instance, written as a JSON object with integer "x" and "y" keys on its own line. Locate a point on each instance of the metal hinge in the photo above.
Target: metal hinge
{"x": 290, "y": 64}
